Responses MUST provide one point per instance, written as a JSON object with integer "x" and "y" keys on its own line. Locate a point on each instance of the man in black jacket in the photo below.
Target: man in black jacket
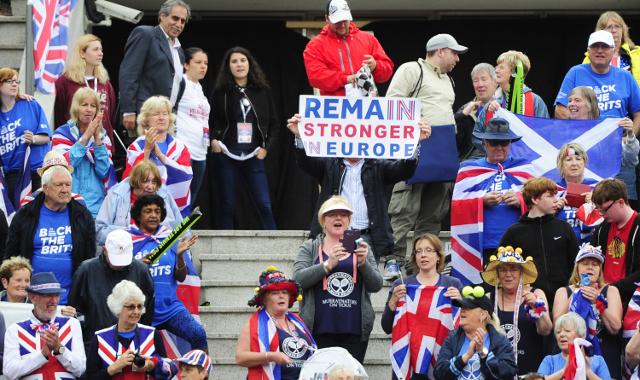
{"x": 95, "y": 279}
{"x": 618, "y": 236}
{"x": 374, "y": 175}
{"x": 54, "y": 232}
{"x": 549, "y": 241}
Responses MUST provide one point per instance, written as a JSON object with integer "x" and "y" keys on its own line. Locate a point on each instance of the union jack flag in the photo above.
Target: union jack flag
{"x": 50, "y": 24}
{"x": 591, "y": 315}
{"x": 632, "y": 316}
{"x": 421, "y": 324}
{"x": 467, "y": 211}
{"x": 176, "y": 172}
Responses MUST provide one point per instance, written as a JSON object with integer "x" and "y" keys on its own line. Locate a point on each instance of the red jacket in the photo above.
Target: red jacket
{"x": 329, "y": 59}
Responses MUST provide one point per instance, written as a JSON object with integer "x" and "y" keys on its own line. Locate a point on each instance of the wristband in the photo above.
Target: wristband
{"x": 537, "y": 311}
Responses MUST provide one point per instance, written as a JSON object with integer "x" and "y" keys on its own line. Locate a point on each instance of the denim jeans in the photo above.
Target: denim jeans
{"x": 252, "y": 170}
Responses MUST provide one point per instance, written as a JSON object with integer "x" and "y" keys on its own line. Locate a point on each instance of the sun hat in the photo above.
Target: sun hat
{"x": 497, "y": 129}
{"x": 45, "y": 283}
{"x": 54, "y": 158}
{"x": 508, "y": 255}
{"x": 273, "y": 279}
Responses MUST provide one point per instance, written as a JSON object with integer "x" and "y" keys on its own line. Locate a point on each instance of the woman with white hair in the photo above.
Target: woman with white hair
{"x": 567, "y": 328}
{"x": 87, "y": 148}
{"x": 128, "y": 350}
{"x": 156, "y": 143}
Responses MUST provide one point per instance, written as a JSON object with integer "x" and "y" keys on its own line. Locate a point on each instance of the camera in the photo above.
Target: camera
{"x": 138, "y": 360}
{"x": 118, "y": 11}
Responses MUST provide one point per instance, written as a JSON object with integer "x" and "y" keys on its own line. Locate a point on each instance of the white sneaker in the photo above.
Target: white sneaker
{"x": 391, "y": 270}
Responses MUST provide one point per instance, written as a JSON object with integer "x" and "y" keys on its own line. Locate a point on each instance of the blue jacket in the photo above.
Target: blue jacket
{"x": 116, "y": 210}
{"x": 498, "y": 365}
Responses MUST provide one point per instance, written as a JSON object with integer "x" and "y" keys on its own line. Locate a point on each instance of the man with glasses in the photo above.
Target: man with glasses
{"x": 550, "y": 242}
{"x": 486, "y": 200}
{"x": 153, "y": 59}
{"x": 618, "y": 235}
{"x": 616, "y": 89}
{"x": 96, "y": 277}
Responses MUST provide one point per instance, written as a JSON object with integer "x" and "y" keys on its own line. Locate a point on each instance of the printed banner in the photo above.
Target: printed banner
{"x": 381, "y": 128}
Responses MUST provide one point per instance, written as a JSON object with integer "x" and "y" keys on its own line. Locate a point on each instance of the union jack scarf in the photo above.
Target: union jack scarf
{"x": 591, "y": 314}
{"x": 586, "y": 214}
{"x": 264, "y": 338}
{"x": 467, "y": 211}
{"x": 176, "y": 173}
{"x": 68, "y": 134}
{"x": 423, "y": 320}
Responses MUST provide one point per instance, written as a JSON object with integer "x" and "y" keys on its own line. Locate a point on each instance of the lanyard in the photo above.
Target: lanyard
{"x": 245, "y": 107}
{"x": 95, "y": 83}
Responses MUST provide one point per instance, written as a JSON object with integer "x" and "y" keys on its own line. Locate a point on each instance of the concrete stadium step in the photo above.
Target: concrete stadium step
{"x": 255, "y": 243}
{"x": 237, "y": 293}
{"x": 229, "y": 320}
{"x": 223, "y": 346}
{"x": 225, "y": 267}
{"x": 226, "y": 369}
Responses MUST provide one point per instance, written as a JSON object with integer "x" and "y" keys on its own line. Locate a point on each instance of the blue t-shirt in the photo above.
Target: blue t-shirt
{"x": 554, "y": 363}
{"x": 499, "y": 217}
{"x": 339, "y": 308}
{"x": 52, "y": 246}
{"x": 296, "y": 347}
{"x": 471, "y": 370}
{"x": 24, "y": 116}
{"x": 617, "y": 91}
{"x": 165, "y": 285}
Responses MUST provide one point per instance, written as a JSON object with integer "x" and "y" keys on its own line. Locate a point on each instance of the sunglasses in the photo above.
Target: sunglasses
{"x": 133, "y": 307}
{"x": 498, "y": 142}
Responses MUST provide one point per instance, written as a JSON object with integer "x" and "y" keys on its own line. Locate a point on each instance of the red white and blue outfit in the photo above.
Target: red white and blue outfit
{"x": 266, "y": 337}
{"x": 23, "y": 358}
{"x": 176, "y": 173}
{"x": 109, "y": 344}
{"x": 584, "y": 219}
{"x": 93, "y": 170}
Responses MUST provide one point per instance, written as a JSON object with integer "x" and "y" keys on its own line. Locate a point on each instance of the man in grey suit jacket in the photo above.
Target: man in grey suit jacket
{"x": 153, "y": 59}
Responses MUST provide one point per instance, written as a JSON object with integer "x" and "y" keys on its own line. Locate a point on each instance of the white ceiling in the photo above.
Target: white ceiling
{"x": 314, "y": 9}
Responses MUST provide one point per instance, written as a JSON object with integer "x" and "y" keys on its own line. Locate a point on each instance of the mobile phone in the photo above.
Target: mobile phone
{"x": 349, "y": 240}
{"x": 585, "y": 280}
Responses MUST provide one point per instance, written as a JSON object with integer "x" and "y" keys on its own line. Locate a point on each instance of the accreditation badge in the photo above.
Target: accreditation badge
{"x": 245, "y": 131}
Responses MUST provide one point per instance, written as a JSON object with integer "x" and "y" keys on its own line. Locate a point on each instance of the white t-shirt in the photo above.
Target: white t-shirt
{"x": 193, "y": 120}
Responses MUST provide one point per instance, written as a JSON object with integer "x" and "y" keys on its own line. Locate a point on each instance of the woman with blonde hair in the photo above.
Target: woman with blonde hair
{"x": 86, "y": 146}
{"x": 85, "y": 69}
{"x": 626, "y": 54}
{"x": 477, "y": 348}
{"x": 23, "y": 124}
{"x": 156, "y": 124}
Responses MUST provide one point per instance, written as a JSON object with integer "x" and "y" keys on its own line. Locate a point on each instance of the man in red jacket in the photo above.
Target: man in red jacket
{"x": 333, "y": 57}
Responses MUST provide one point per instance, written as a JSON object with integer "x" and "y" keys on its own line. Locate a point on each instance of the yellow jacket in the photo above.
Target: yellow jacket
{"x": 635, "y": 60}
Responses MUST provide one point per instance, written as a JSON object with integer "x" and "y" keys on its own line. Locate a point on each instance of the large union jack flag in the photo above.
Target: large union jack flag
{"x": 422, "y": 322}
{"x": 50, "y": 24}
{"x": 467, "y": 211}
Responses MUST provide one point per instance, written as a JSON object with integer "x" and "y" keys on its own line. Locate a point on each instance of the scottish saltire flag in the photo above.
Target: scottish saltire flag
{"x": 50, "y": 24}
{"x": 422, "y": 322}
{"x": 176, "y": 171}
{"x": 438, "y": 161}
{"x": 467, "y": 211}
{"x": 542, "y": 139}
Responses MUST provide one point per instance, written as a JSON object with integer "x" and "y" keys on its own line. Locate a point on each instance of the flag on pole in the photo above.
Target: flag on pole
{"x": 50, "y": 39}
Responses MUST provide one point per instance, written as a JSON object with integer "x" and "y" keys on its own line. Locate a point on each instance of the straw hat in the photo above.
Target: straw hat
{"x": 508, "y": 255}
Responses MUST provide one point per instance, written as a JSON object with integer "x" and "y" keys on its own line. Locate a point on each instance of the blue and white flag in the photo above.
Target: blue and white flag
{"x": 542, "y": 139}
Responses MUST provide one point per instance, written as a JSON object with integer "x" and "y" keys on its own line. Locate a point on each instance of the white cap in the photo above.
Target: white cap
{"x": 338, "y": 10}
{"x": 601, "y": 36}
{"x": 119, "y": 248}
{"x": 442, "y": 41}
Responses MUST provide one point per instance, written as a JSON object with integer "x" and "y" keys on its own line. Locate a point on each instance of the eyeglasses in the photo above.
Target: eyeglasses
{"x": 604, "y": 211}
{"x": 133, "y": 307}
{"x": 498, "y": 142}
{"x": 425, "y": 251}
{"x": 11, "y": 81}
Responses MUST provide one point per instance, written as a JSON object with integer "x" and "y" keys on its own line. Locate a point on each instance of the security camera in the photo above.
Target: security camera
{"x": 121, "y": 12}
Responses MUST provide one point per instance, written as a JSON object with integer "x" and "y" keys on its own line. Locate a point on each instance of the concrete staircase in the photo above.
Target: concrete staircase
{"x": 231, "y": 262}
{"x": 12, "y": 35}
